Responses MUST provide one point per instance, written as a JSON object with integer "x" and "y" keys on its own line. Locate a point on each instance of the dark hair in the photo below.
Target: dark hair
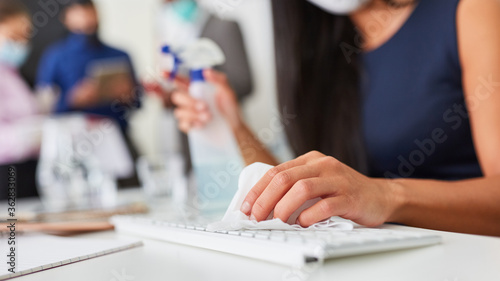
{"x": 80, "y": 3}
{"x": 317, "y": 83}
{"x": 11, "y": 8}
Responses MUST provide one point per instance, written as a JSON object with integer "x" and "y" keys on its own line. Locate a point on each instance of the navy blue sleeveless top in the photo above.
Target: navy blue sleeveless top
{"x": 415, "y": 122}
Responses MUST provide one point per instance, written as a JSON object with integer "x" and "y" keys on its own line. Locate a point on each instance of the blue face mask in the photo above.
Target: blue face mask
{"x": 186, "y": 9}
{"x": 13, "y": 53}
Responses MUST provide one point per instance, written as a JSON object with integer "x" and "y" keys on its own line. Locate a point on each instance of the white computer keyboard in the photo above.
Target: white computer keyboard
{"x": 292, "y": 248}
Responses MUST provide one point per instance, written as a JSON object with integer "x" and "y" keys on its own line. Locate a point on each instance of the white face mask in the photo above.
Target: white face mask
{"x": 339, "y": 7}
{"x": 13, "y": 53}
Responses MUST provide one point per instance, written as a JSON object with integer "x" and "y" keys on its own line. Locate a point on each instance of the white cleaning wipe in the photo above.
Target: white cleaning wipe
{"x": 234, "y": 219}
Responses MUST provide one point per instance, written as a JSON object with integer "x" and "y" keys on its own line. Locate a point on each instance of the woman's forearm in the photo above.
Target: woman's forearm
{"x": 469, "y": 206}
{"x": 251, "y": 148}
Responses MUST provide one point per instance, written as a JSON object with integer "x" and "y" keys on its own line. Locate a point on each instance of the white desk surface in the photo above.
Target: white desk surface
{"x": 460, "y": 258}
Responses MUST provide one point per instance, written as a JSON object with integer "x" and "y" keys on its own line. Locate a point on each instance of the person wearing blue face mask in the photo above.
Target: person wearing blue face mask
{"x": 391, "y": 107}
{"x": 76, "y": 69}
{"x": 182, "y": 22}
{"x": 13, "y": 53}
{"x": 19, "y": 120}
{"x": 65, "y": 68}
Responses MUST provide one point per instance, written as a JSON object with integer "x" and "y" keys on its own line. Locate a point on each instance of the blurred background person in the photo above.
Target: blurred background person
{"x": 181, "y": 23}
{"x": 65, "y": 68}
{"x": 88, "y": 75}
{"x": 19, "y": 143}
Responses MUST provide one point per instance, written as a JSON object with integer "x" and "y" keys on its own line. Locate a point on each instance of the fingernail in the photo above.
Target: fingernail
{"x": 252, "y": 218}
{"x": 245, "y": 208}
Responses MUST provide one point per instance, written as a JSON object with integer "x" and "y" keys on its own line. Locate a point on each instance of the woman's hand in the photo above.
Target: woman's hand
{"x": 344, "y": 193}
{"x": 164, "y": 91}
{"x": 192, "y": 113}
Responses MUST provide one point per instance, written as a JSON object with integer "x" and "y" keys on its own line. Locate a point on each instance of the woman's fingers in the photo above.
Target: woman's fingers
{"x": 302, "y": 191}
{"x": 189, "y": 119}
{"x": 217, "y": 78}
{"x": 182, "y": 84}
{"x": 190, "y": 112}
{"x": 186, "y": 102}
{"x": 192, "y": 116}
{"x": 181, "y": 99}
{"x": 185, "y": 126}
{"x": 278, "y": 187}
{"x": 324, "y": 209}
{"x": 262, "y": 184}
{"x": 179, "y": 80}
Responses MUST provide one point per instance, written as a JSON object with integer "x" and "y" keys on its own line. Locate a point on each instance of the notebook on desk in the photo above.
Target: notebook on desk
{"x": 66, "y": 222}
{"x": 41, "y": 252}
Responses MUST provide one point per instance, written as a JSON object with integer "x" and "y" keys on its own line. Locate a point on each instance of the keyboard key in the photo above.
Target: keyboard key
{"x": 261, "y": 236}
{"x": 247, "y": 234}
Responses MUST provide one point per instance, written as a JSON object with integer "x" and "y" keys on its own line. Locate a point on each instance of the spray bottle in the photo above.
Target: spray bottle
{"x": 215, "y": 155}
{"x": 169, "y": 63}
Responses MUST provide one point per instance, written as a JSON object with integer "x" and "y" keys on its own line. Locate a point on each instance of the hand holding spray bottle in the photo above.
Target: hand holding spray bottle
{"x": 169, "y": 63}
{"x": 215, "y": 154}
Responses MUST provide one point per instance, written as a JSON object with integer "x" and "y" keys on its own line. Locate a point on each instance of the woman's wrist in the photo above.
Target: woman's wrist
{"x": 237, "y": 123}
{"x": 396, "y": 197}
